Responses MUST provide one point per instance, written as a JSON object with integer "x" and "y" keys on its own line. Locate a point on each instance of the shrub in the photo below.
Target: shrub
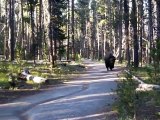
{"x": 127, "y": 98}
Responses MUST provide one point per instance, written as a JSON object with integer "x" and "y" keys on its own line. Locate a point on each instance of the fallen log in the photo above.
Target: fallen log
{"x": 144, "y": 86}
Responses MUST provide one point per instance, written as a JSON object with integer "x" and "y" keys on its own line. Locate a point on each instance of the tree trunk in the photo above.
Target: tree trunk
{"x": 158, "y": 19}
{"x": 40, "y": 35}
{"x": 110, "y": 26}
{"x": 150, "y": 28}
{"x": 126, "y": 19}
{"x": 68, "y": 29}
{"x": 94, "y": 32}
{"x": 140, "y": 28}
{"x": 22, "y": 33}
{"x": 12, "y": 39}
{"x": 34, "y": 44}
{"x": 51, "y": 34}
{"x": 120, "y": 33}
{"x": 73, "y": 42}
{"x": 6, "y": 46}
{"x": 134, "y": 24}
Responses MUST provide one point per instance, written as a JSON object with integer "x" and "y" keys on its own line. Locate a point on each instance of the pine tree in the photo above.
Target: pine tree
{"x": 56, "y": 33}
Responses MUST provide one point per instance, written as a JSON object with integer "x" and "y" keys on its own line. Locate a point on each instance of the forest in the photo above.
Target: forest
{"x": 67, "y": 29}
{"x": 50, "y": 31}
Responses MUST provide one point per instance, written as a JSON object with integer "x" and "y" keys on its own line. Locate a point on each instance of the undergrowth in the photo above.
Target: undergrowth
{"x": 44, "y": 70}
{"x": 127, "y": 103}
{"x": 137, "y": 105}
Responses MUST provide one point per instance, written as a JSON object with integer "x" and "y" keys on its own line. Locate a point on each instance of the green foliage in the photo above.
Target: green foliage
{"x": 62, "y": 50}
{"x": 93, "y": 5}
{"x": 32, "y": 2}
{"x": 61, "y": 71}
{"x": 127, "y": 98}
{"x": 155, "y": 54}
{"x": 78, "y": 57}
{"x": 82, "y": 9}
{"x": 26, "y": 19}
{"x": 56, "y": 32}
{"x": 7, "y": 68}
{"x": 147, "y": 74}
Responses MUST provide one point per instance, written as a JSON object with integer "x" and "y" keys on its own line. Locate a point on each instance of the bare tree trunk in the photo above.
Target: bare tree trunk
{"x": 73, "y": 42}
{"x": 120, "y": 33}
{"x": 11, "y": 25}
{"x": 158, "y": 19}
{"x": 134, "y": 24}
{"x": 110, "y": 26}
{"x": 6, "y": 46}
{"x": 51, "y": 34}
{"x": 68, "y": 29}
{"x": 34, "y": 44}
{"x": 98, "y": 40}
{"x": 126, "y": 19}
{"x": 40, "y": 35}
{"x": 140, "y": 28}
{"x": 94, "y": 31}
{"x": 150, "y": 28}
{"x": 22, "y": 30}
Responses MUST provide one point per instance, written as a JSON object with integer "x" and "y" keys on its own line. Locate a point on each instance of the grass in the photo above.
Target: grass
{"x": 44, "y": 70}
{"x": 147, "y": 74}
{"x": 141, "y": 105}
{"x": 141, "y": 73}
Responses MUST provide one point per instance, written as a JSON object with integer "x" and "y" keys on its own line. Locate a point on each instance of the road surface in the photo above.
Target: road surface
{"x": 87, "y": 97}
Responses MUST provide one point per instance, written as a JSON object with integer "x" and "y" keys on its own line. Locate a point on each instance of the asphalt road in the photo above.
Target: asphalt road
{"x": 87, "y": 97}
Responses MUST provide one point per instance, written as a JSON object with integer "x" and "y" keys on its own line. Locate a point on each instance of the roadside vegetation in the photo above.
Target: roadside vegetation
{"x": 148, "y": 74}
{"x": 138, "y": 105}
{"x": 58, "y": 73}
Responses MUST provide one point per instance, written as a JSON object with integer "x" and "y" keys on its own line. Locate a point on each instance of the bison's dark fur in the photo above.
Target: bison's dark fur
{"x": 109, "y": 61}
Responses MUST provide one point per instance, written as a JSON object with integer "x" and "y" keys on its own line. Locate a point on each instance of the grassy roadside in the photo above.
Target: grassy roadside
{"x": 59, "y": 72}
{"x": 56, "y": 75}
{"x": 137, "y": 105}
{"x": 147, "y": 74}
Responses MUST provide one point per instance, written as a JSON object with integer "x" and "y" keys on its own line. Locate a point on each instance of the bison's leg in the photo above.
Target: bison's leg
{"x": 111, "y": 63}
{"x": 107, "y": 68}
{"x": 111, "y": 68}
{"x": 107, "y": 65}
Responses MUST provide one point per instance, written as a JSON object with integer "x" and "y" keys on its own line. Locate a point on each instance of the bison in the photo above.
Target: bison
{"x": 109, "y": 61}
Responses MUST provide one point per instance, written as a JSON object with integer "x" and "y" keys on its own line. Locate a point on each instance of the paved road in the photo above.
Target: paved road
{"x": 88, "y": 97}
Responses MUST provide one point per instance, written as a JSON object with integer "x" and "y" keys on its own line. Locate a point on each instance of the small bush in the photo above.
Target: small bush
{"x": 127, "y": 98}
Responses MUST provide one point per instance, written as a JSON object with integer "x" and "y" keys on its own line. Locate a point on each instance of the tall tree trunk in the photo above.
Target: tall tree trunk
{"x": 150, "y": 28}
{"x": 6, "y": 45}
{"x": 51, "y": 33}
{"x": 134, "y": 24}
{"x": 34, "y": 44}
{"x": 120, "y": 33}
{"x": 98, "y": 40}
{"x": 110, "y": 26}
{"x": 94, "y": 31}
{"x": 140, "y": 28}
{"x": 73, "y": 42}
{"x": 68, "y": 29}
{"x": 126, "y": 19}
{"x": 158, "y": 35}
{"x": 40, "y": 35}
{"x": 22, "y": 33}
{"x": 51, "y": 47}
{"x": 158, "y": 19}
{"x": 11, "y": 25}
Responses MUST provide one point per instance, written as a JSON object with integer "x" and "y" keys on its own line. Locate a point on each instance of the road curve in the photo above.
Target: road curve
{"x": 88, "y": 97}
